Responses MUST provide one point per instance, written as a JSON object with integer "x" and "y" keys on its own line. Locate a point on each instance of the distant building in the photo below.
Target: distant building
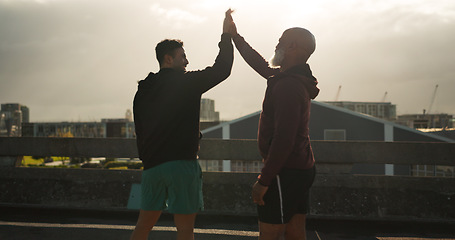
{"x": 12, "y": 115}
{"x": 208, "y": 113}
{"x": 129, "y": 115}
{"x": 382, "y": 110}
{"x": 25, "y": 114}
{"x": 3, "y": 129}
{"x": 119, "y": 127}
{"x": 116, "y": 127}
{"x": 107, "y": 128}
{"x": 426, "y": 120}
{"x": 329, "y": 122}
{"x": 444, "y": 132}
{"x": 64, "y": 129}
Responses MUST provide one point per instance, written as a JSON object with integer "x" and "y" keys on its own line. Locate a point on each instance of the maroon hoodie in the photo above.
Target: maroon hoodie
{"x": 283, "y": 135}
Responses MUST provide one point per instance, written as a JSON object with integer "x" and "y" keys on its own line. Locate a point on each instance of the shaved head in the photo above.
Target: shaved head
{"x": 294, "y": 47}
{"x": 303, "y": 38}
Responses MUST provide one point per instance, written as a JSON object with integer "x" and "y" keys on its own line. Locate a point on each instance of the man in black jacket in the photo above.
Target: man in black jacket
{"x": 166, "y": 116}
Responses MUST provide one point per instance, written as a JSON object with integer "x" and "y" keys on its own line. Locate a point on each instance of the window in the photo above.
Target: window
{"x": 360, "y": 108}
{"x": 372, "y": 110}
{"x": 431, "y": 170}
{"x": 381, "y": 111}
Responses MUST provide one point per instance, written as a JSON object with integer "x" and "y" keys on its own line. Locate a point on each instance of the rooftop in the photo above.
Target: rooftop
{"x": 35, "y": 223}
{"x": 48, "y": 203}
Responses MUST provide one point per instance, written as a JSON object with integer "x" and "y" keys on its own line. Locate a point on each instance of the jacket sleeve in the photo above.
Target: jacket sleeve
{"x": 253, "y": 58}
{"x": 206, "y": 79}
{"x": 287, "y": 111}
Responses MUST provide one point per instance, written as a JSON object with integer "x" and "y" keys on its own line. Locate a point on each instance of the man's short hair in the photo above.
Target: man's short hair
{"x": 167, "y": 46}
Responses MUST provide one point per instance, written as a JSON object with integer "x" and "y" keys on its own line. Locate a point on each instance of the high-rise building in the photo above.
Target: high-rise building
{"x": 3, "y": 130}
{"x": 208, "y": 113}
{"x": 129, "y": 115}
{"x": 25, "y": 114}
{"x": 12, "y": 115}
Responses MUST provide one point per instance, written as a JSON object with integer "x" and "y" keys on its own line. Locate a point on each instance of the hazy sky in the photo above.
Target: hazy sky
{"x": 80, "y": 60}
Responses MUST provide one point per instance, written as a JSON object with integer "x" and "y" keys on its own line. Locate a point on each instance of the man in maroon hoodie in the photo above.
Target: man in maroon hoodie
{"x": 281, "y": 191}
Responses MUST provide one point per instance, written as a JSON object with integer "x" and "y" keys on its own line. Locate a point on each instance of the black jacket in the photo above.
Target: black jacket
{"x": 166, "y": 109}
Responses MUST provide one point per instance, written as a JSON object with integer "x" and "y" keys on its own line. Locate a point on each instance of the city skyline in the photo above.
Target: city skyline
{"x": 71, "y": 60}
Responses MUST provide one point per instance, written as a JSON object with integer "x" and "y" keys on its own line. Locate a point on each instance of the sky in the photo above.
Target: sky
{"x": 80, "y": 60}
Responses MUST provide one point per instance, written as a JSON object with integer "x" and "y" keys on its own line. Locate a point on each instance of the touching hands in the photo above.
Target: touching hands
{"x": 228, "y": 24}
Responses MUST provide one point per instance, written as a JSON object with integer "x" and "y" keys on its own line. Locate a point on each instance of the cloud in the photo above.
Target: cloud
{"x": 404, "y": 48}
{"x": 11, "y": 2}
{"x": 71, "y": 58}
{"x": 175, "y": 17}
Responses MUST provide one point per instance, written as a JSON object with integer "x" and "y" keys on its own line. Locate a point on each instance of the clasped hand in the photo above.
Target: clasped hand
{"x": 228, "y": 24}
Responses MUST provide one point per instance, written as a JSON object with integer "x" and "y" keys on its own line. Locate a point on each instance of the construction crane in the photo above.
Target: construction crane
{"x": 338, "y": 93}
{"x": 432, "y": 98}
{"x": 383, "y": 98}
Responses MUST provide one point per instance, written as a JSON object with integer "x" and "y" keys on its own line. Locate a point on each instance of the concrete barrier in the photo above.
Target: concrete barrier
{"x": 358, "y": 197}
{"x": 335, "y": 194}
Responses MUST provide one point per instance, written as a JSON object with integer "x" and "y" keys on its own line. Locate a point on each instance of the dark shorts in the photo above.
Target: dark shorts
{"x": 287, "y": 195}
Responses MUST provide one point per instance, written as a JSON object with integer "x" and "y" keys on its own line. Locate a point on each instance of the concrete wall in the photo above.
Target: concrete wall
{"x": 336, "y": 193}
{"x": 339, "y": 196}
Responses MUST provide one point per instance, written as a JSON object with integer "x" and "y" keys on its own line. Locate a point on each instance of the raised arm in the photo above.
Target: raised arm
{"x": 251, "y": 56}
{"x": 221, "y": 69}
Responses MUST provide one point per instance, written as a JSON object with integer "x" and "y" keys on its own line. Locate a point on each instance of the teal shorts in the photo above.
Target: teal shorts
{"x": 175, "y": 186}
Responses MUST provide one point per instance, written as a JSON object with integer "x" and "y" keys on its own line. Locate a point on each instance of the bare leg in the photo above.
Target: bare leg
{"x": 295, "y": 229}
{"x": 185, "y": 226}
{"x": 145, "y": 223}
{"x": 269, "y": 231}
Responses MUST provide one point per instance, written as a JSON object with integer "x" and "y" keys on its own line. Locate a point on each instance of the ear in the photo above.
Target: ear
{"x": 168, "y": 59}
{"x": 293, "y": 45}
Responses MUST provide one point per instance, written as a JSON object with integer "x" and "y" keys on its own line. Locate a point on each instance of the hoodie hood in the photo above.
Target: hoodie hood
{"x": 154, "y": 78}
{"x": 303, "y": 72}
{"x": 147, "y": 82}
